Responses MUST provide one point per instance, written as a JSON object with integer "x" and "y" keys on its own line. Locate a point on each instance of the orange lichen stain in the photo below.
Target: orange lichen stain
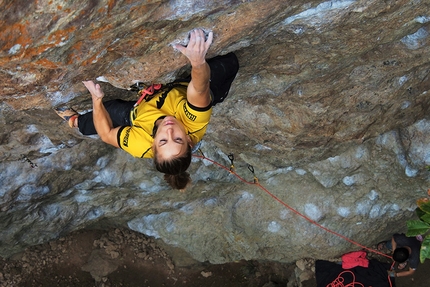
{"x": 15, "y": 34}
{"x": 4, "y": 61}
{"x": 141, "y": 32}
{"x": 73, "y": 56}
{"x": 89, "y": 61}
{"x": 38, "y": 50}
{"x": 61, "y": 35}
{"x": 55, "y": 39}
{"x": 142, "y": 8}
{"x": 98, "y": 33}
{"x": 77, "y": 46}
{"x": 111, "y": 4}
{"x": 133, "y": 44}
{"x": 59, "y": 7}
{"x": 46, "y": 64}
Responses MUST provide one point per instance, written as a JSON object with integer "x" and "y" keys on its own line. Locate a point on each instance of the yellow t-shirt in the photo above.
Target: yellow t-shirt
{"x": 137, "y": 138}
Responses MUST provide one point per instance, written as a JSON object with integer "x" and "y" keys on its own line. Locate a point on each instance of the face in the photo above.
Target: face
{"x": 171, "y": 139}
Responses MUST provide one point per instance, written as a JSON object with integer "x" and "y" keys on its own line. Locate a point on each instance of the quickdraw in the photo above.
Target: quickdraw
{"x": 251, "y": 169}
{"x": 231, "y": 158}
{"x": 24, "y": 158}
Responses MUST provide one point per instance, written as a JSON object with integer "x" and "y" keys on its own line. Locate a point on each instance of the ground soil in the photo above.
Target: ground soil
{"x": 125, "y": 258}
{"x": 120, "y": 257}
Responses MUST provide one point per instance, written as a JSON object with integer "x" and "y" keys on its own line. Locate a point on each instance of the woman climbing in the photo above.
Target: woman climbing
{"x": 168, "y": 124}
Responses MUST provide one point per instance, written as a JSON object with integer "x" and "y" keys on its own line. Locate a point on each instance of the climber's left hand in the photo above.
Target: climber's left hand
{"x": 197, "y": 47}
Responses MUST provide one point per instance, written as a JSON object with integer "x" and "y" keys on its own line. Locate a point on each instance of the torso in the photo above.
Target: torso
{"x": 137, "y": 139}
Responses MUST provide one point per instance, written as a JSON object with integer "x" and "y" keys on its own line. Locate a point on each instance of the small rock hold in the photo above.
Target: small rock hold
{"x": 206, "y": 274}
{"x": 301, "y": 264}
{"x": 170, "y": 265}
{"x": 141, "y": 254}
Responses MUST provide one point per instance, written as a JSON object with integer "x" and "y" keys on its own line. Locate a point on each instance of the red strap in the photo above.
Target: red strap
{"x": 148, "y": 91}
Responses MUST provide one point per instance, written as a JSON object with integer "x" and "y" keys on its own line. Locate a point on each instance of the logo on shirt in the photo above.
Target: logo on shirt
{"x": 134, "y": 114}
{"x": 161, "y": 99}
{"x": 188, "y": 114}
{"x": 125, "y": 140}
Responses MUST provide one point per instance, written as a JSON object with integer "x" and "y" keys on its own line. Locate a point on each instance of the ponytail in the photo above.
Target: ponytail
{"x": 174, "y": 169}
{"x": 178, "y": 181}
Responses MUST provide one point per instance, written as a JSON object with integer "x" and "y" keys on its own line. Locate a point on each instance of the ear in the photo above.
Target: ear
{"x": 190, "y": 142}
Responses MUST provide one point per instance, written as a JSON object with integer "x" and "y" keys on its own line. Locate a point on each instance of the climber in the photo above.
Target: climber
{"x": 405, "y": 250}
{"x": 168, "y": 124}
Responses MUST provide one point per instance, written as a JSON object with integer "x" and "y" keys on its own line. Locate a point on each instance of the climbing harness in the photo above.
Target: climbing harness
{"x": 339, "y": 281}
{"x": 144, "y": 91}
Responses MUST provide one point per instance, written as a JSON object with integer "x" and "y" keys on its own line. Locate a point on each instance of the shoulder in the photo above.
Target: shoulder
{"x": 197, "y": 109}
{"x": 190, "y": 113}
{"x": 136, "y": 141}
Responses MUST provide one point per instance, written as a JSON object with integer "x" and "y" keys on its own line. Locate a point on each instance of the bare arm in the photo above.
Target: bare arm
{"x": 198, "y": 92}
{"x": 405, "y": 273}
{"x": 101, "y": 118}
{"x": 393, "y": 244}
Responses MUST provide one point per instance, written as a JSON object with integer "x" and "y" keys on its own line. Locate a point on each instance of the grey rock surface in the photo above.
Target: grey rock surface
{"x": 330, "y": 108}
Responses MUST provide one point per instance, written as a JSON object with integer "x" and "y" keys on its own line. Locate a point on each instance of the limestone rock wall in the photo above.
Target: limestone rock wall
{"x": 329, "y": 108}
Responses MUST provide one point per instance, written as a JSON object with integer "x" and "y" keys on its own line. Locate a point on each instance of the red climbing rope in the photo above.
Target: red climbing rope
{"x": 255, "y": 182}
{"x": 319, "y": 225}
{"x": 339, "y": 281}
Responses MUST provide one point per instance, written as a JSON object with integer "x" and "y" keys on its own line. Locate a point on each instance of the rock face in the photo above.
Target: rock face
{"x": 329, "y": 109}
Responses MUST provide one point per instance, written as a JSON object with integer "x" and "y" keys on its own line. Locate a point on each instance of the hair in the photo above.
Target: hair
{"x": 401, "y": 254}
{"x": 174, "y": 169}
